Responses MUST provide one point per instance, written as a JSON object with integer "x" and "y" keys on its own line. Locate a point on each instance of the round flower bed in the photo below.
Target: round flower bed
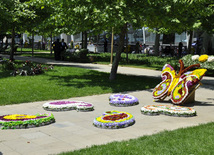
{"x": 123, "y": 100}
{"x": 19, "y": 121}
{"x": 170, "y": 110}
{"x": 68, "y": 105}
{"x": 114, "y": 120}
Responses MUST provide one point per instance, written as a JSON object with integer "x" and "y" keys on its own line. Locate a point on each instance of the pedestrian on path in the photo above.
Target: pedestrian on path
{"x": 57, "y": 46}
{"x": 63, "y": 49}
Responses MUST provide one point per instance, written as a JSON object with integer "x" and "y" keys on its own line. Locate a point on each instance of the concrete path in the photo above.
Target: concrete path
{"x": 74, "y": 130}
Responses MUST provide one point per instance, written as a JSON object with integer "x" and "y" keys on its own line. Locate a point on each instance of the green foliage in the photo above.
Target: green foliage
{"x": 77, "y": 56}
{"x": 136, "y": 60}
{"x": 7, "y": 65}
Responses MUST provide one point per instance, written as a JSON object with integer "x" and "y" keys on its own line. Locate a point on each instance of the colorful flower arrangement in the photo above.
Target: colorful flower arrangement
{"x": 26, "y": 68}
{"x": 123, "y": 100}
{"x": 114, "y": 120}
{"x": 170, "y": 110}
{"x": 20, "y": 121}
{"x": 68, "y": 105}
{"x": 193, "y": 59}
{"x": 203, "y": 58}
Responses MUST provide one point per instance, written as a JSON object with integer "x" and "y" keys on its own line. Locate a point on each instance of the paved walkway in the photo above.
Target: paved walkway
{"x": 74, "y": 130}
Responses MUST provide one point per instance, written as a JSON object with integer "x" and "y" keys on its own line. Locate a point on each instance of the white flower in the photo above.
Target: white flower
{"x": 195, "y": 57}
{"x": 210, "y": 59}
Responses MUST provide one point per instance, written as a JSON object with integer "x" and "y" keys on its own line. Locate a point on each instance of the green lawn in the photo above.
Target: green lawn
{"x": 198, "y": 140}
{"x": 66, "y": 82}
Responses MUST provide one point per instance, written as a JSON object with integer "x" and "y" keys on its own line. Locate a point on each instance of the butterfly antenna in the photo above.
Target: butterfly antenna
{"x": 188, "y": 68}
{"x": 181, "y": 67}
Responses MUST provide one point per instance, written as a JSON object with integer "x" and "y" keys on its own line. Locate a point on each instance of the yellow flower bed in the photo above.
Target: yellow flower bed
{"x": 203, "y": 58}
{"x": 18, "y": 116}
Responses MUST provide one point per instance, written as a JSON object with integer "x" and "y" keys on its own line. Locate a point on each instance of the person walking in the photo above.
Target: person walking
{"x": 180, "y": 48}
{"x": 57, "y": 49}
{"x": 63, "y": 49}
{"x": 105, "y": 45}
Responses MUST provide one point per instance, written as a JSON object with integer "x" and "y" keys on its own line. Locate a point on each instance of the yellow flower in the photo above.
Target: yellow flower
{"x": 18, "y": 116}
{"x": 203, "y": 58}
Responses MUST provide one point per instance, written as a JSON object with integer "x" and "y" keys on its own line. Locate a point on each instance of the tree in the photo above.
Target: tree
{"x": 177, "y": 16}
{"x": 15, "y": 11}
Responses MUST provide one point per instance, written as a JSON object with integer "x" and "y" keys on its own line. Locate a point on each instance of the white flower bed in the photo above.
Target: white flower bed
{"x": 195, "y": 57}
{"x": 210, "y": 59}
{"x": 68, "y": 105}
{"x": 170, "y": 110}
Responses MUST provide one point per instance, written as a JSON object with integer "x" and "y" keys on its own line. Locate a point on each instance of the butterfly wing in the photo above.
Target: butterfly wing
{"x": 167, "y": 75}
{"x": 185, "y": 85}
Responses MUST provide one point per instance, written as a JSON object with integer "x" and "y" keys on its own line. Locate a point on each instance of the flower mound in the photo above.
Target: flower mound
{"x": 210, "y": 59}
{"x": 114, "y": 120}
{"x": 19, "y": 121}
{"x": 68, "y": 105}
{"x": 123, "y": 100}
{"x": 195, "y": 57}
{"x": 168, "y": 110}
{"x": 203, "y": 58}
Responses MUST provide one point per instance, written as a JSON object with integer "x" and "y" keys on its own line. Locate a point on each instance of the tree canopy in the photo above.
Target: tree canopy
{"x": 96, "y": 16}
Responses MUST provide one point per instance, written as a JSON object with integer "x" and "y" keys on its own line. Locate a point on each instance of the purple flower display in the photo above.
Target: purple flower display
{"x": 68, "y": 105}
{"x": 123, "y": 100}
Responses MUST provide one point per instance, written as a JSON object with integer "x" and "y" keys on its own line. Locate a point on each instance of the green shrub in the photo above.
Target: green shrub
{"x": 8, "y": 65}
{"x": 77, "y": 56}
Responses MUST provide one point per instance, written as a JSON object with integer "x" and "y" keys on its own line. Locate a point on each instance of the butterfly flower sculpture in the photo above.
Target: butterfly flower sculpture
{"x": 178, "y": 85}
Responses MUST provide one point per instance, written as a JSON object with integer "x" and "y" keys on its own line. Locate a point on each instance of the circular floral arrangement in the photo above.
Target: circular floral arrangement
{"x": 68, "y": 105}
{"x": 114, "y": 120}
{"x": 19, "y": 121}
{"x": 123, "y": 100}
{"x": 170, "y": 110}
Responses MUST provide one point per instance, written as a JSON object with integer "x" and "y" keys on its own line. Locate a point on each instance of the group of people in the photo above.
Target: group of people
{"x": 59, "y": 49}
{"x": 140, "y": 48}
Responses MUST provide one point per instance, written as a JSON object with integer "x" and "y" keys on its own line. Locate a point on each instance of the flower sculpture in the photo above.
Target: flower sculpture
{"x": 178, "y": 86}
{"x": 170, "y": 110}
{"x": 68, "y": 105}
{"x": 123, "y": 100}
{"x": 203, "y": 58}
{"x": 114, "y": 120}
{"x": 18, "y": 121}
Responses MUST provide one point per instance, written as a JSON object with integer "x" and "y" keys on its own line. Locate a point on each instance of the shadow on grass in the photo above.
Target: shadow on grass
{"x": 100, "y": 79}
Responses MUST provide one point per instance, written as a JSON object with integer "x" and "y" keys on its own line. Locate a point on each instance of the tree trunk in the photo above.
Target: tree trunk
{"x": 51, "y": 44}
{"x": 127, "y": 56}
{"x": 118, "y": 53}
{"x": 32, "y": 44}
{"x": 84, "y": 40}
{"x": 12, "y": 45}
{"x": 157, "y": 43}
{"x": 190, "y": 42}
